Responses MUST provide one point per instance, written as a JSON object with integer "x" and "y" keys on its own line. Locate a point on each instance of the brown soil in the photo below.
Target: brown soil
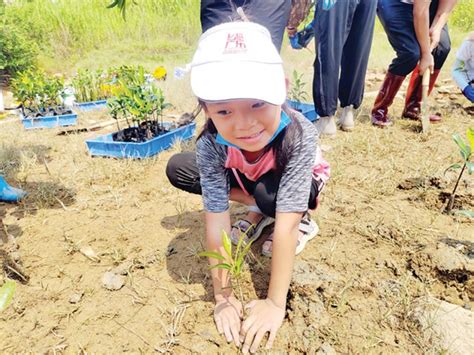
{"x": 384, "y": 242}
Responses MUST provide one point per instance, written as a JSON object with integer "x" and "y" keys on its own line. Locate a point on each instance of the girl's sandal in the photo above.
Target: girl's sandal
{"x": 308, "y": 229}
{"x": 250, "y": 232}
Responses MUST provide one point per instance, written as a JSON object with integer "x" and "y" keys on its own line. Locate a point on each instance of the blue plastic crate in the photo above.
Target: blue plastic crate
{"x": 49, "y": 121}
{"x": 308, "y": 110}
{"x": 92, "y": 105}
{"x": 105, "y": 146}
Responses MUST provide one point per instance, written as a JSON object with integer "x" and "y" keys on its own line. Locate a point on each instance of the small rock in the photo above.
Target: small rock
{"x": 112, "y": 281}
{"x": 89, "y": 253}
{"x": 76, "y": 297}
{"x": 326, "y": 349}
{"x": 450, "y": 325}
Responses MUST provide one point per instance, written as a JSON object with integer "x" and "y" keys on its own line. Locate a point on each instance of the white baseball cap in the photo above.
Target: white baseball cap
{"x": 238, "y": 60}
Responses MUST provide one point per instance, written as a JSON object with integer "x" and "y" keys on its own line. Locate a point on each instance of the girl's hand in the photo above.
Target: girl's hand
{"x": 264, "y": 317}
{"x": 228, "y": 316}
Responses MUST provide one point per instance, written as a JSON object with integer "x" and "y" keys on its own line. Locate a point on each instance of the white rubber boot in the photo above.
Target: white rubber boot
{"x": 346, "y": 121}
{"x": 326, "y": 126}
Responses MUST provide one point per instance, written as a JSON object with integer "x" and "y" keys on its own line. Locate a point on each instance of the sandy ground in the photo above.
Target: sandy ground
{"x": 384, "y": 242}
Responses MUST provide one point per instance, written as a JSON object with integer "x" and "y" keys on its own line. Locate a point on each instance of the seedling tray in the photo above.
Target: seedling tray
{"x": 49, "y": 121}
{"x": 307, "y": 109}
{"x": 105, "y": 146}
{"x": 92, "y": 105}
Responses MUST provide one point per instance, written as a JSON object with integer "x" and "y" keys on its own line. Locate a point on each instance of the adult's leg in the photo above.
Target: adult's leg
{"x": 271, "y": 14}
{"x": 397, "y": 20}
{"x": 355, "y": 54}
{"x": 412, "y": 108}
{"x": 331, "y": 31}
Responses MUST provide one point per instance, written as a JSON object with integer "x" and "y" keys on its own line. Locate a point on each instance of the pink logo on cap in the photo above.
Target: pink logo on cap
{"x": 235, "y": 43}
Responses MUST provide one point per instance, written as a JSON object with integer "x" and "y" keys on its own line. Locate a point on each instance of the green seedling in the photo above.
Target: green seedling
{"x": 465, "y": 150}
{"x": 297, "y": 91}
{"x": 136, "y": 97}
{"x": 233, "y": 261}
{"x": 37, "y": 92}
{"x": 7, "y": 291}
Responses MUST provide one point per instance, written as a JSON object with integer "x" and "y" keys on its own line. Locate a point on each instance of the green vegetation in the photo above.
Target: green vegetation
{"x": 233, "y": 262}
{"x": 17, "y": 51}
{"x": 465, "y": 149}
{"x": 68, "y": 31}
{"x": 7, "y": 291}
{"x": 136, "y": 97}
{"x": 462, "y": 16}
{"x": 297, "y": 91}
{"x": 91, "y": 85}
{"x": 38, "y": 93}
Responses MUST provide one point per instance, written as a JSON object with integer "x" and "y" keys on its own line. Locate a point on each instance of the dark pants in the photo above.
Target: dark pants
{"x": 397, "y": 20}
{"x": 183, "y": 173}
{"x": 343, "y": 37}
{"x": 273, "y": 14}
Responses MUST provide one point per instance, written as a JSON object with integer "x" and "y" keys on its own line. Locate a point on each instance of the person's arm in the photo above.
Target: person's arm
{"x": 266, "y": 315}
{"x": 459, "y": 74}
{"x": 215, "y": 192}
{"x": 442, "y": 13}
{"x": 421, "y": 22}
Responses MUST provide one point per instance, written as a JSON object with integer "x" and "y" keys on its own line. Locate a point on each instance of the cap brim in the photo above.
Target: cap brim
{"x": 221, "y": 81}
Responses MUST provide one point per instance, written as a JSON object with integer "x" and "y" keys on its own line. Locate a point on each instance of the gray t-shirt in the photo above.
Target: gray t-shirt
{"x": 295, "y": 184}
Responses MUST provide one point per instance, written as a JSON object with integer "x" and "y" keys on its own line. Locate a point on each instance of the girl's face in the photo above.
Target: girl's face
{"x": 248, "y": 124}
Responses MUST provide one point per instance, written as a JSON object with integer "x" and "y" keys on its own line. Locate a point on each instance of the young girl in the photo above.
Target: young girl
{"x": 463, "y": 67}
{"x": 255, "y": 151}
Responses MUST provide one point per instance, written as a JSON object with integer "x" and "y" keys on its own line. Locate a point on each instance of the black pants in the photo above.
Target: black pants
{"x": 273, "y": 14}
{"x": 397, "y": 20}
{"x": 183, "y": 173}
{"x": 343, "y": 37}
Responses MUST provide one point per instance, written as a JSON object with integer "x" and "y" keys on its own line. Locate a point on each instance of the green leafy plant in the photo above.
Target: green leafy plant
{"x": 7, "y": 291}
{"x": 297, "y": 91}
{"x": 136, "y": 97}
{"x": 38, "y": 93}
{"x": 465, "y": 150}
{"x": 233, "y": 261}
{"x": 17, "y": 51}
{"x": 91, "y": 85}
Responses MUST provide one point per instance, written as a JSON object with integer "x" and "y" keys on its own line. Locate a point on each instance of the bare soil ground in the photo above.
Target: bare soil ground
{"x": 384, "y": 242}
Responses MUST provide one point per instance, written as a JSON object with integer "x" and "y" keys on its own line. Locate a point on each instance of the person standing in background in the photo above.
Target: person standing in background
{"x": 419, "y": 35}
{"x": 343, "y": 34}
{"x": 272, "y": 14}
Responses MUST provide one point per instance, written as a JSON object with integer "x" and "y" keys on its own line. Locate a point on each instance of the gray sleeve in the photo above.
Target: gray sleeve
{"x": 295, "y": 184}
{"x": 213, "y": 175}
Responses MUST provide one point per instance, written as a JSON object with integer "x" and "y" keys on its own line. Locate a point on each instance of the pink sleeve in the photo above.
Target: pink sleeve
{"x": 321, "y": 169}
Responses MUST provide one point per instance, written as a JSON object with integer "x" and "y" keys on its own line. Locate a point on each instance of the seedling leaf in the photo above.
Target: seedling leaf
{"x": 226, "y": 242}
{"x": 466, "y": 213}
{"x": 470, "y": 167}
{"x": 221, "y": 266}
{"x": 6, "y": 294}
{"x": 465, "y": 150}
{"x": 453, "y": 167}
{"x": 470, "y": 137}
{"x": 212, "y": 254}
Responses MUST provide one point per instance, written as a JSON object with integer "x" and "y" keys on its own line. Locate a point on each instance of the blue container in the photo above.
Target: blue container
{"x": 306, "y": 109}
{"x": 104, "y": 146}
{"x": 92, "y": 105}
{"x": 49, "y": 121}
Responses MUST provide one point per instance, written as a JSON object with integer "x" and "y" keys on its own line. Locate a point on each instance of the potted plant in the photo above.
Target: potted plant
{"x": 91, "y": 89}
{"x": 297, "y": 96}
{"x": 139, "y": 102}
{"x": 41, "y": 100}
